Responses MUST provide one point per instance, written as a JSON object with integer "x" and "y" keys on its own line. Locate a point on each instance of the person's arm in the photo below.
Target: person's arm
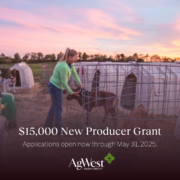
{"x": 64, "y": 79}
{"x": 75, "y": 75}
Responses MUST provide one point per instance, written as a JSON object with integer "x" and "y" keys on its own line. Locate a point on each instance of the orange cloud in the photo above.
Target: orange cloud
{"x": 176, "y": 42}
{"x": 159, "y": 49}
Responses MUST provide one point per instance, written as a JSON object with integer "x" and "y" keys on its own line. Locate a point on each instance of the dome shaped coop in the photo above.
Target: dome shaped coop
{"x": 24, "y": 76}
{"x": 130, "y": 95}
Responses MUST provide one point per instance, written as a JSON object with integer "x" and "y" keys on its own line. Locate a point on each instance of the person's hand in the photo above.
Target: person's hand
{"x": 79, "y": 86}
{"x": 76, "y": 93}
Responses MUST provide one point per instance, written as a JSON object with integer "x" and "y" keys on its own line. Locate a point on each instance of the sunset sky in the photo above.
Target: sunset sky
{"x": 104, "y": 26}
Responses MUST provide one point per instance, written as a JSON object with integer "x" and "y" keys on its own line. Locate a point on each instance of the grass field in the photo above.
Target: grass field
{"x": 36, "y": 67}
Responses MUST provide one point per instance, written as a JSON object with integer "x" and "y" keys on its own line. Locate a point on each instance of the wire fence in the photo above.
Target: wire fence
{"x": 124, "y": 95}
{"x": 117, "y": 96}
{"x": 121, "y": 96}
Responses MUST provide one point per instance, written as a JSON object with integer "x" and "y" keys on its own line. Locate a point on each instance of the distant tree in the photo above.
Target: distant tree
{"x": 26, "y": 57}
{"x": 104, "y": 57}
{"x": 110, "y": 58}
{"x": 2, "y": 60}
{"x": 135, "y": 56}
{"x": 146, "y": 57}
{"x": 122, "y": 60}
{"x": 88, "y": 56}
{"x": 91, "y": 56}
{"x": 97, "y": 57}
{"x": 155, "y": 58}
{"x": 48, "y": 57}
{"x": 166, "y": 59}
{"x": 141, "y": 56}
{"x": 140, "y": 60}
{"x": 101, "y": 57}
{"x": 80, "y": 55}
{"x": 118, "y": 57}
{"x": 129, "y": 58}
{"x": 40, "y": 56}
{"x": 17, "y": 57}
{"x": 2, "y": 55}
{"x": 53, "y": 57}
{"x": 33, "y": 56}
{"x": 122, "y": 56}
{"x": 59, "y": 56}
{"x": 169, "y": 59}
{"x": 84, "y": 56}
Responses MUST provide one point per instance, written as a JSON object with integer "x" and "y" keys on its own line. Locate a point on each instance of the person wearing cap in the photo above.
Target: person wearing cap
{"x": 58, "y": 82}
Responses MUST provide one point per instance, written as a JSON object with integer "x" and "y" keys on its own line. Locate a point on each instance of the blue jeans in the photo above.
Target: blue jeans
{"x": 56, "y": 107}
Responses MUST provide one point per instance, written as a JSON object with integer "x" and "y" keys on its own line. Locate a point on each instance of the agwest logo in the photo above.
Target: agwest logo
{"x": 87, "y": 164}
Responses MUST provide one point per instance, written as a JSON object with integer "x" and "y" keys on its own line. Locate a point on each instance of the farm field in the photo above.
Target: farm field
{"x": 36, "y": 67}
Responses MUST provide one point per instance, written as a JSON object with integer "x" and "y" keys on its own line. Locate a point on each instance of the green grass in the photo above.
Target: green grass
{"x": 7, "y": 65}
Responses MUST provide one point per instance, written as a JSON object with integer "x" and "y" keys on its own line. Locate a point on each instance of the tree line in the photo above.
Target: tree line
{"x": 40, "y": 57}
